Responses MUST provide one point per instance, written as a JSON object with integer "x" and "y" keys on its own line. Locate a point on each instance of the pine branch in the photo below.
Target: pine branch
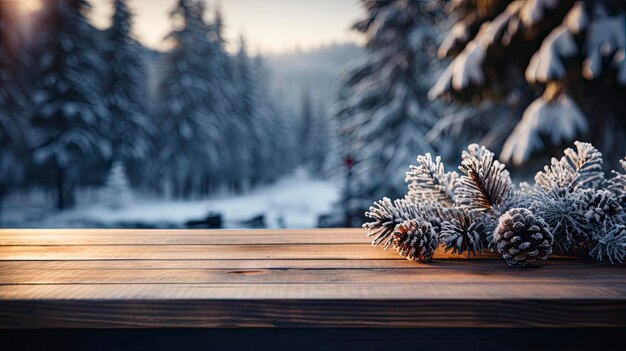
{"x": 617, "y": 184}
{"x": 564, "y": 212}
{"x": 463, "y": 233}
{"x": 611, "y": 247}
{"x": 485, "y": 184}
{"x": 577, "y": 169}
{"x": 428, "y": 181}
{"x": 386, "y": 215}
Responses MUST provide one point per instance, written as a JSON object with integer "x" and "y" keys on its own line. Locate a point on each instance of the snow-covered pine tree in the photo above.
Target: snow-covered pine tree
{"x": 129, "y": 126}
{"x": 250, "y": 159}
{"x": 306, "y": 142}
{"x": 314, "y": 135}
{"x": 567, "y": 56}
{"x": 191, "y": 136}
{"x": 323, "y": 140}
{"x": 116, "y": 192}
{"x": 275, "y": 138}
{"x": 225, "y": 99}
{"x": 13, "y": 106}
{"x": 68, "y": 117}
{"x": 384, "y": 111}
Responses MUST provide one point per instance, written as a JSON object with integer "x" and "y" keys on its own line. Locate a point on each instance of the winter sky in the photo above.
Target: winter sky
{"x": 270, "y": 26}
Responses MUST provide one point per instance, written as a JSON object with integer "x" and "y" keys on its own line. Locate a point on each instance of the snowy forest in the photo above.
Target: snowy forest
{"x": 97, "y": 129}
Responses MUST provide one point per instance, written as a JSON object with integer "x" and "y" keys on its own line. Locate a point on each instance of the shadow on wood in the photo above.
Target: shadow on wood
{"x": 313, "y": 339}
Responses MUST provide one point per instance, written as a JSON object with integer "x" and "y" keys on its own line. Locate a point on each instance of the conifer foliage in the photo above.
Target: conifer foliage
{"x": 116, "y": 193}
{"x": 383, "y": 111}
{"x": 557, "y": 67}
{"x": 125, "y": 89}
{"x": 12, "y": 103}
{"x": 570, "y": 208}
{"x": 68, "y": 117}
{"x": 186, "y": 122}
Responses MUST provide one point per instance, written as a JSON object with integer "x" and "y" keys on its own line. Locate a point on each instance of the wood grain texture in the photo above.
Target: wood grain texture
{"x": 290, "y": 278}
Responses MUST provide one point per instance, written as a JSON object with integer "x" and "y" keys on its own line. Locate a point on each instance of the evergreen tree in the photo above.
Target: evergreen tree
{"x": 322, "y": 142}
{"x": 225, "y": 91}
{"x": 245, "y": 114}
{"x": 556, "y": 67}
{"x": 68, "y": 118}
{"x": 271, "y": 124}
{"x": 305, "y": 135}
{"x": 383, "y": 111}
{"x": 116, "y": 192}
{"x": 129, "y": 126}
{"x": 313, "y": 136}
{"x": 190, "y": 147}
{"x": 13, "y": 105}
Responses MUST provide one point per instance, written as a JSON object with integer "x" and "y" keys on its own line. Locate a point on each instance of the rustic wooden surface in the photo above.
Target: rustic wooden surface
{"x": 284, "y": 278}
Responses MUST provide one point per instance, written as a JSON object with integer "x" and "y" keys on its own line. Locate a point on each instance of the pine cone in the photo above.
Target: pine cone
{"x": 523, "y": 239}
{"x": 415, "y": 240}
{"x": 600, "y": 205}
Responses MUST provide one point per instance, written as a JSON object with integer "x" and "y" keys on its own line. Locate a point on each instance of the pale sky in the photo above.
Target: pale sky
{"x": 270, "y": 26}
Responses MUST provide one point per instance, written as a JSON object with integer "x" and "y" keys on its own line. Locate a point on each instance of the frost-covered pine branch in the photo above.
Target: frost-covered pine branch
{"x": 565, "y": 196}
{"x": 569, "y": 209}
{"x": 564, "y": 213}
{"x": 611, "y": 247}
{"x": 580, "y": 168}
{"x": 428, "y": 181}
{"x": 463, "y": 233}
{"x": 485, "y": 184}
{"x": 617, "y": 184}
{"x": 387, "y": 214}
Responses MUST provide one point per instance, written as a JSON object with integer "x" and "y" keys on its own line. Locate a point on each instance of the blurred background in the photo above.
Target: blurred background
{"x": 287, "y": 114}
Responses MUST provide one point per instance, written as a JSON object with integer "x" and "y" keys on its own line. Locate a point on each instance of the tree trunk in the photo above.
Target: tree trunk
{"x": 60, "y": 189}
{"x": 65, "y": 193}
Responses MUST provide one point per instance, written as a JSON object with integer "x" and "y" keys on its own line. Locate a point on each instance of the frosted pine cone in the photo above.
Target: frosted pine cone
{"x": 415, "y": 240}
{"x": 523, "y": 239}
{"x": 600, "y": 205}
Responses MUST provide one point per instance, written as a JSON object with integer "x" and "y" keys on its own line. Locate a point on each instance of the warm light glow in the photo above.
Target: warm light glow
{"x": 29, "y": 6}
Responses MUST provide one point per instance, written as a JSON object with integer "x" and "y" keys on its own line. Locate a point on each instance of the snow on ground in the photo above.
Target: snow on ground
{"x": 295, "y": 201}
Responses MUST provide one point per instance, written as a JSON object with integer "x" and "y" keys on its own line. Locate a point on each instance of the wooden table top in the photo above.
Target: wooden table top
{"x": 92, "y": 278}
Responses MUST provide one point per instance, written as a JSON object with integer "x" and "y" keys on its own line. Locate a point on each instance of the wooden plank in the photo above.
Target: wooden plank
{"x": 64, "y": 237}
{"x": 475, "y": 266}
{"x": 199, "y": 252}
{"x": 353, "y": 291}
{"x": 211, "y": 313}
{"x": 459, "y": 274}
{"x": 182, "y": 252}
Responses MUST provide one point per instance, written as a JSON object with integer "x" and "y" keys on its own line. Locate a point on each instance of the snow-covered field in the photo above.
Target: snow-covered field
{"x": 295, "y": 201}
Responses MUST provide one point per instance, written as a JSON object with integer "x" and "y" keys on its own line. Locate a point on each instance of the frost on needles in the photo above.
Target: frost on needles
{"x": 571, "y": 208}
